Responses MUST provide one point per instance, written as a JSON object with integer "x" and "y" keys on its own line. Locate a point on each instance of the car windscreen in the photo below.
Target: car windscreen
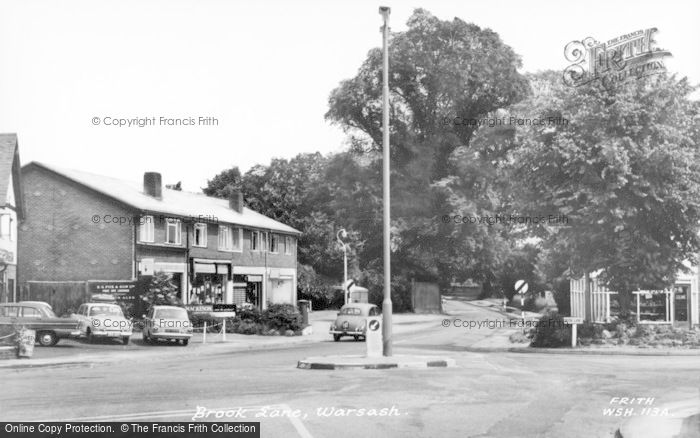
{"x": 105, "y": 310}
{"x": 170, "y": 314}
{"x": 351, "y": 311}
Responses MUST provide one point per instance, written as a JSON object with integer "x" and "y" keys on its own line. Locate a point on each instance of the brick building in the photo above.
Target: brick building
{"x": 11, "y": 212}
{"x": 87, "y": 233}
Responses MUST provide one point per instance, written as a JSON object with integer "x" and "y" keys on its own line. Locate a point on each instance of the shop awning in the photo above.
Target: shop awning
{"x": 204, "y": 266}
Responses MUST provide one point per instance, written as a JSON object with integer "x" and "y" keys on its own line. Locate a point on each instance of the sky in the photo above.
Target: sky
{"x": 263, "y": 69}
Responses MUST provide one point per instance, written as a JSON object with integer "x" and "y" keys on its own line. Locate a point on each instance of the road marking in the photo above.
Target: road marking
{"x": 298, "y": 425}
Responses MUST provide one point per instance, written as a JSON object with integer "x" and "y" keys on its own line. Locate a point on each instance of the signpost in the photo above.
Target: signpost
{"x": 373, "y": 338}
{"x": 521, "y": 288}
{"x": 573, "y": 321}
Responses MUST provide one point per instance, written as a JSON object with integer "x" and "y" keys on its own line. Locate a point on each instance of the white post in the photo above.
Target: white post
{"x": 204, "y": 333}
{"x": 573, "y": 335}
{"x": 223, "y": 331}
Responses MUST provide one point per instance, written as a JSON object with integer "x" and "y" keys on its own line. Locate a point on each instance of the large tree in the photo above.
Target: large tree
{"x": 625, "y": 170}
{"x": 442, "y": 72}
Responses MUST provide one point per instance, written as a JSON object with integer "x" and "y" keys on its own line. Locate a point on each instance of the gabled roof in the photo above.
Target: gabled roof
{"x": 9, "y": 165}
{"x": 174, "y": 203}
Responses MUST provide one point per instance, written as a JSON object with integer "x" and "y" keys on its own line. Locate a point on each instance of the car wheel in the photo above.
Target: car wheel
{"x": 47, "y": 339}
{"x": 336, "y": 338}
{"x": 125, "y": 340}
{"x": 90, "y": 337}
{"x": 357, "y": 338}
{"x": 185, "y": 342}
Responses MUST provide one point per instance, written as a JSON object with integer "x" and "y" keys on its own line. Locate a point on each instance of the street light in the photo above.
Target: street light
{"x": 342, "y": 232}
{"x": 386, "y": 304}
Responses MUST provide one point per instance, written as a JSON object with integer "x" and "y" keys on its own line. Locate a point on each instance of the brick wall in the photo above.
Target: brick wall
{"x": 59, "y": 240}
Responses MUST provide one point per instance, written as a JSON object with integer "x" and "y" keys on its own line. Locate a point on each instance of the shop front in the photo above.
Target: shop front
{"x": 678, "y": 304}
{"x": 210, "y": 282}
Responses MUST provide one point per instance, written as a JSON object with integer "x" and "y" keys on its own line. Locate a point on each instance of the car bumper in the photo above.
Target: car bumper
{"x": 348, "y": 332}
{"x": 171, "y": 335}
{"x": 115, "y": 334}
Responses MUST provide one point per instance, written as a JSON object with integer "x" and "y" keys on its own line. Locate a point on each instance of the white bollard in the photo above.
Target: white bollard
{"x": 204, "y": 334}
{"x": 223, "y": 331}
{"x": 573, "y": 335}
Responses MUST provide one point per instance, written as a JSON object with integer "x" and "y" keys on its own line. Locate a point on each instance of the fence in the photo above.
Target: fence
{"x": 600, "y": 300}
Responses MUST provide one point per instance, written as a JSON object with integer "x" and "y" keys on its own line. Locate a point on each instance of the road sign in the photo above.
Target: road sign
{"x": 573, "y": 320}
{"x": 373, "y": 337}
{"x": 520, "y": 287}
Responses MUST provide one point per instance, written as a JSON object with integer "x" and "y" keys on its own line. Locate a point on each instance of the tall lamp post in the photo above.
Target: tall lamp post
{"x": 344, "y": 234}
{"x": 386, "y": 304}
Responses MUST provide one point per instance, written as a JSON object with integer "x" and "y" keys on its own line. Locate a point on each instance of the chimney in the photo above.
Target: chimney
{"x": 152, "y": 185}
{"x": 235, "y": 201}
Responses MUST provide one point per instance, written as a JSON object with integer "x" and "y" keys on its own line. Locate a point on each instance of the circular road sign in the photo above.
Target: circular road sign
{"x": 374, "y": 325}
{"x": 520, "y": 287}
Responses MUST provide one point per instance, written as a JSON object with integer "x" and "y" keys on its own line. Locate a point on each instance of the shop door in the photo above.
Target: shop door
{"x": 681, "y": 296}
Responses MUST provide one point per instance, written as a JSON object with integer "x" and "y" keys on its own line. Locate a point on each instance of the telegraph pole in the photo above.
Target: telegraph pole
{"x": 386, "y": 304}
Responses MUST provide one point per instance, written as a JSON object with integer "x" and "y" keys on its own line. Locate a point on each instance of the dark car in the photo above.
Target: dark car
{"x": 39, "y": 316}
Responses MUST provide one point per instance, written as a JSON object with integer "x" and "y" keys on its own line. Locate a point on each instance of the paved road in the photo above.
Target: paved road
{"x": 487, "y": 395}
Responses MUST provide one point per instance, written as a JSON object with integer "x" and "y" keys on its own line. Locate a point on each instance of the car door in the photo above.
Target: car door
{"x": 82, "y": 319}
{"x": 29, "y": 317}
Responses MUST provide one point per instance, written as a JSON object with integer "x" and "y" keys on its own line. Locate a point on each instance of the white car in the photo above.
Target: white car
{"x": 168, "y": 323}
{"x": 103, "y": 320}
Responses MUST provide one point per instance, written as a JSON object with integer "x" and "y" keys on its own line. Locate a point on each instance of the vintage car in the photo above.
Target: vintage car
{"x": 352, "y": 320}
{"x": 168, "y": 323}
{"x": 38, "y": 316}
{"x": 103, "y": 320}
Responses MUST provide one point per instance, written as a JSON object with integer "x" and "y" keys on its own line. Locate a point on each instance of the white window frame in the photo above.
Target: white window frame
{"x": 255, "y": 240}
{"x": 288, "y": 243}
{"x": 147, "y": 229}
{"x": 276, "y": 239}
{"x": 225, "y": 238}
{"x": 239, "y": 247}
{"x": 201, "y": 226}
{"x": 178, "y": 231}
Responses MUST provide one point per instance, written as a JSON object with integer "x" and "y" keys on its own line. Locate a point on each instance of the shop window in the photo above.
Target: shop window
{"x": 146, "y": 232}
{"x": 274, "y": 243}
{"x": 200, "y": 235}
{"x": 173, "y": 231}
{"x": 288, "y": 245}
{"x": 653, "y": 306}
{"x": 207, "y": 288}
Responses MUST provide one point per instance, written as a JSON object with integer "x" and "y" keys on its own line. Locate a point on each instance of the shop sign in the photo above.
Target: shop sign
{"x": 199, "y": 307}
{"x": 219, "y": 307}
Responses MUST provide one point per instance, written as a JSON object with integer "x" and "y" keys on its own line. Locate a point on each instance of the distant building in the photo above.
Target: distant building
{"x": 87, "y": 233}
{"x": 11, "y": 211}
{"x": 679, "y": 304}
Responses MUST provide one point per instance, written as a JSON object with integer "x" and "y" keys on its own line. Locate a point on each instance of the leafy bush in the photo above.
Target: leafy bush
{"x": 198, "y": 320}
{"x": 551, "y": 332}
{"x": 282, "y": 317}
{"x": 253, "y": 314}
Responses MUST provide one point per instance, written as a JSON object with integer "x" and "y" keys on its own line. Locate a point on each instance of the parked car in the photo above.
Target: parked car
{"x": 352, "y": 320}
{"x": 103, "y": 320}
{"x": 168, "y": 323}
{"x": 38, "y": 316}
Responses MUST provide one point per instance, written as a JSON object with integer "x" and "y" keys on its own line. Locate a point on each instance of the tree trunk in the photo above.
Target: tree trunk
{"x": 624, "y": 298}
